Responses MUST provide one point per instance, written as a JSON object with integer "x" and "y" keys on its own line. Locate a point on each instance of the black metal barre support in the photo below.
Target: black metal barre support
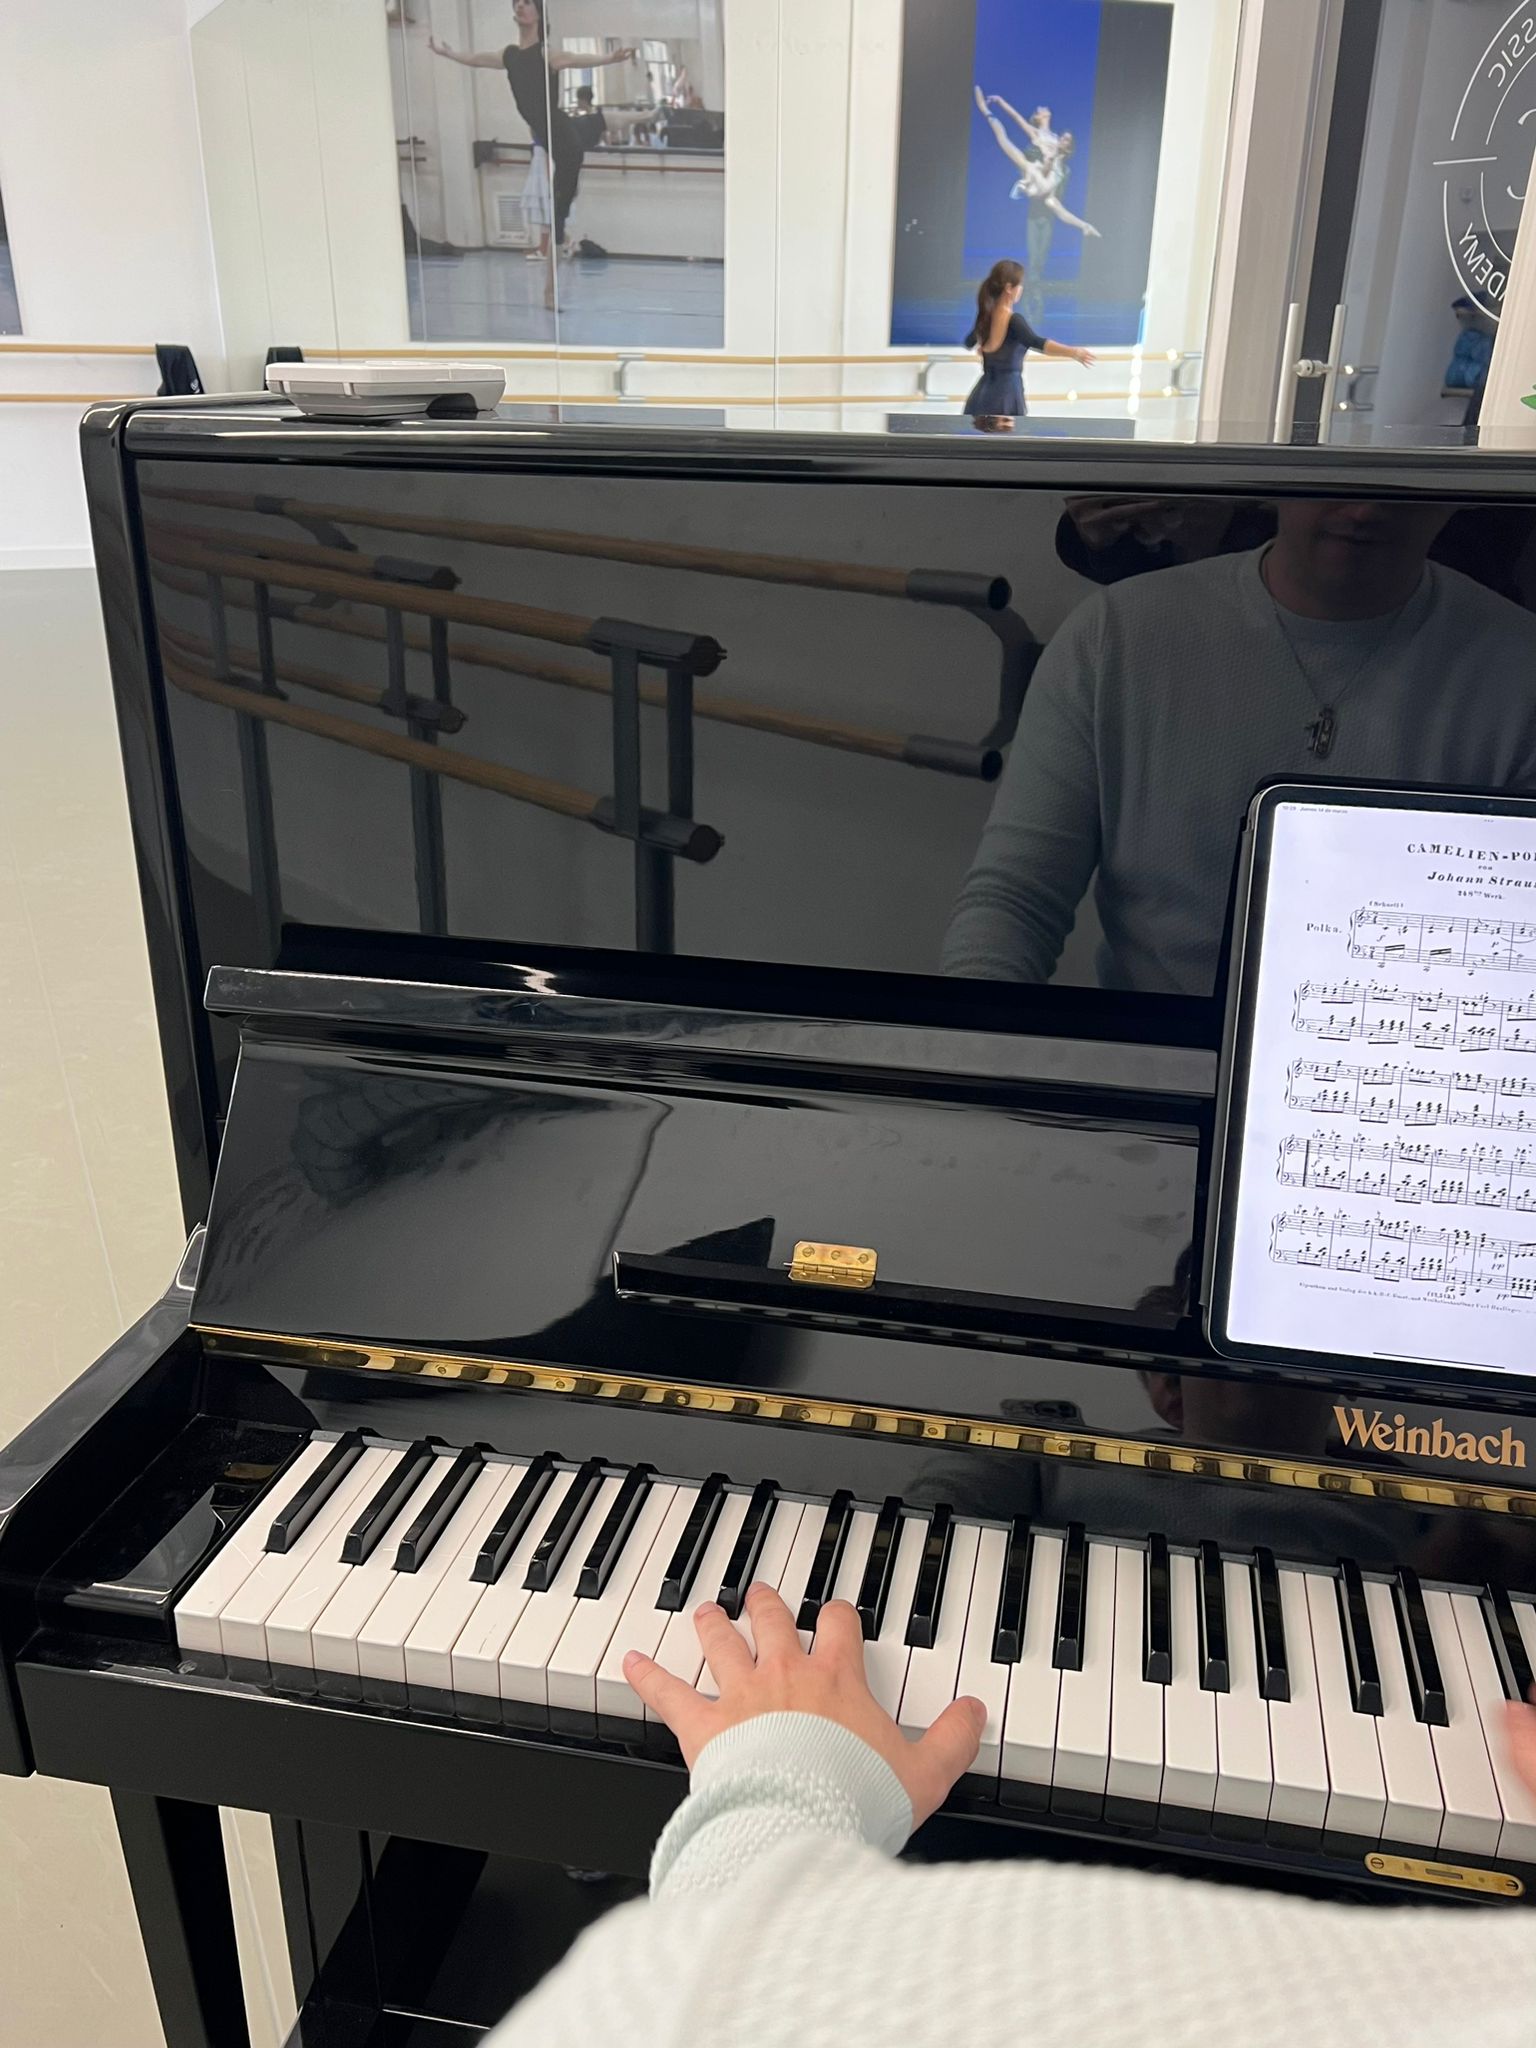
{"x": 255, "y": 767}
{"x": 426, "y": 796}
{"x": 655, "y": 885}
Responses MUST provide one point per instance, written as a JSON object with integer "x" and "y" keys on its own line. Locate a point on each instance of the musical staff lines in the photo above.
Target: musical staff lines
{"x": 1390, "y": 938}
{"x": 1456, "y": 1263}
{"x": 1426, "y": 1019}
{"x": 1411, "y": 1095}
{"x": 1411, "y": 1171}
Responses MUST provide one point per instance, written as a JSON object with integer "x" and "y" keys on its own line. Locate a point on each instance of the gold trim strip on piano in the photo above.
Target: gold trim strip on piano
{"x": 1459, "y": 1877}
{"x": 916, "y": 1425}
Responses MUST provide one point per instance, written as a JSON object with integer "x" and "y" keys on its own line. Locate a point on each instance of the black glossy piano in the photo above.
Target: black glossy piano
{"x": 552, "y": 843}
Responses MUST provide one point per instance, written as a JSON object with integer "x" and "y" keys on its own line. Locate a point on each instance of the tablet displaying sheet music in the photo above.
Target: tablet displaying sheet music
{"x": 1375, "y": 1195}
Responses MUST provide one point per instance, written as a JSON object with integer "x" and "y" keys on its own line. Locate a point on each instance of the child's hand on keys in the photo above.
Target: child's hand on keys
{"x": 782, "y": 1679}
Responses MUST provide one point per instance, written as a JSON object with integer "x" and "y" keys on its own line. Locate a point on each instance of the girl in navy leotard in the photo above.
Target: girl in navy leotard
{"x": 1004, "y": 337}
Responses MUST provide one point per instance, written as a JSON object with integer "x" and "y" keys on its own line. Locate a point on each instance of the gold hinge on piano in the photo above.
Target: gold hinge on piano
{"x": 833, "y": 1265}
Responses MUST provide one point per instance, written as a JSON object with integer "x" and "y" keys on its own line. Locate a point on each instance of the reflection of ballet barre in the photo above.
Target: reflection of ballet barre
{"x": 950, "y": 757}
{"x": 683, "y": 838}
{"x": 694, "y": 654}
{"x": 628, "y": 647}
{"x": 420, "y": 710}
{"x": 985, "y": 598}
{"x": 379, "y": 568}
{"x": 923, "y": 586}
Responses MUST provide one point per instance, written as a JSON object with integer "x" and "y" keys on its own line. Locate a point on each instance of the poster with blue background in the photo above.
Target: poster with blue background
{"x": 975, "y": 186}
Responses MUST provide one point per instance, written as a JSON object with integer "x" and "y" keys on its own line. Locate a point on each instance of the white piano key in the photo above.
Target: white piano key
{"x": 522, "y": 1669}
{"x": 1415, "y": 1804}
{"x": 642, "y": 1623}
{"x": 772, "y": 1562}
{"x": 1034, "y": 1683}
{"x": 1525, "y": 1619}
{"x": 887, "y": 1656}
{"x": 1517, "y": 1835}
{"x": 290, "y": 1622}
{"x": 850, "y": 1570}
{"x": 933, "y": 1675}
{"x": 1357, "y": 1788}
{"x": 335, "y": 1634}
{"x": 243, "y": 1624}
{"x": 1081, "y": 1768}
{"x": 1189, "y": 1711}
{"x": 1473, "y": 1812}
{"x": 573, "y": 1666}
{"x": 979, "y": 1677}
{"x": 678, "y": 1651}
{"x": 382, "y": 1639}
{"x": 429, "y": 1646}
{"x": 1297, "y": 1751}
{"x": 801, "y": 1557}
{"x": 1136, "y": 1708}
{"x": 478, "y": 1647}
{"x": 1244, "y": 1770}
{"x": 199, "y": 1608}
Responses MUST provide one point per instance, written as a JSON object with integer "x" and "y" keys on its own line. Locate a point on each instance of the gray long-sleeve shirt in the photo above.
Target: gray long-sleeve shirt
{"x": 1159, "y": 707}
{"x": 776, "y": 1917}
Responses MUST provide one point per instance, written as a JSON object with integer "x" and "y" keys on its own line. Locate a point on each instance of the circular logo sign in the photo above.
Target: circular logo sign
{"x": 1486, "y": 163}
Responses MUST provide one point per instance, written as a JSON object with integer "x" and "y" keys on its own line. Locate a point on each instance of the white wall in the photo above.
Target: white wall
{"x": 298, "y": 144}
{"x": 101, "y": 171}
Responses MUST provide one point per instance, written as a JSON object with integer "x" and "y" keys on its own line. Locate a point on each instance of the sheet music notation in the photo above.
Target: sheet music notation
{"x": 1412, "y": 1170}
{"x": 1427, "y": 1019}
{"x": 1389, "y": 937}
{"x": 1456, "y": 1264}
{"x": 1412, "y": 1095}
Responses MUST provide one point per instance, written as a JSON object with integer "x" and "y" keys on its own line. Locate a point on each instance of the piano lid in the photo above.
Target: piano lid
{"x": 733, "y": 727}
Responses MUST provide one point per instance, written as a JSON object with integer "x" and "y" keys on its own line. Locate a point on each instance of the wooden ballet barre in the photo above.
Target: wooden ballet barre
{"x": 684, "y": 837}
{"x": 382, "y": 568}
{"x": 925, "y": 586}
{"x": 691, "y": 653}
{"x": 445, "y": 717}
{"x": 915, "y": 750}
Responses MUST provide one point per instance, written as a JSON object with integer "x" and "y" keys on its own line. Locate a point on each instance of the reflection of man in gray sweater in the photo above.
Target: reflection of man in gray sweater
{"x": 1162, "y": 703}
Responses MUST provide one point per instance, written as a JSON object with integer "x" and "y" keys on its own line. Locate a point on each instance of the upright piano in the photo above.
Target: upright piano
{"x": 599, "y": 1196}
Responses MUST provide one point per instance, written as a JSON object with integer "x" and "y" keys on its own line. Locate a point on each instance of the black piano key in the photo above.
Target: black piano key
{"x": 1269, "y": 1626}
{"x": 830, "y": 1546}
{"x": 512, "y": 1524}
{"x": 1008, "y": 1636}
{"x": 1071, "y": 1607}
{"x": 1157, "y": 1616}
{"x": 288, "y": 1526}
{"x": 875, "y": 1586}
{"x": 416, "y": 1544}
{"x": 1211, "y": 1611}
{"x": 692, "y": 1544}
{"x": 1508, "y": 1644}
{"x": 923, "y": 1624}
{"x": 1425, "y": 1684}
{"x": 365, "y": 1534}
{"x": 597, "y": 1566}
{"x": 563, "y": 1525}
{"x": 1359, "y": 1643}
{"x": 748, "y": 1548}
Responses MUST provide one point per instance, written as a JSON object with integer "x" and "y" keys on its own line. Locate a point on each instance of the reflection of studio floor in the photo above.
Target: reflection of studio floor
{"x": 498, "y": 295}
{"x": 10, "y": 311}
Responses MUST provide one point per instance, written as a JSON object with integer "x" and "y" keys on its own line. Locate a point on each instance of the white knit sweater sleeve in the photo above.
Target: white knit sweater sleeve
{"x": 777, "y": 1920}
{"x": 642, "y": 1976}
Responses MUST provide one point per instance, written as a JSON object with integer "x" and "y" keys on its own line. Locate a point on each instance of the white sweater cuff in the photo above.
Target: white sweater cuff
{"x": 772, "y": 1778}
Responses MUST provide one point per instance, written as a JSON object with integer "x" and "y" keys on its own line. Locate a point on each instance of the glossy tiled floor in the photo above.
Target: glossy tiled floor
{"x": 90, "y": 1230}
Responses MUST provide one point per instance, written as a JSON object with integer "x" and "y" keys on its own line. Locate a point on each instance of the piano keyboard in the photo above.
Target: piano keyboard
{"x": 1238, "y": 1697}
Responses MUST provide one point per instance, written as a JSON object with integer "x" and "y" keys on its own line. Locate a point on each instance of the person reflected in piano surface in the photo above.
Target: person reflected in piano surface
{"x": 775, "y": 1916}
{"x": 1161, "y": 703}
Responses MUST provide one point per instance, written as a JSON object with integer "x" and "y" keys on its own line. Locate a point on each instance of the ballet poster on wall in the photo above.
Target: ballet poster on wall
{"x": 1030, "y": 129}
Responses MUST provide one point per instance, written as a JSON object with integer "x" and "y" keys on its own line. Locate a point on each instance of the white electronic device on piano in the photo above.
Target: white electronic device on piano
{"x": 389, "y": 390}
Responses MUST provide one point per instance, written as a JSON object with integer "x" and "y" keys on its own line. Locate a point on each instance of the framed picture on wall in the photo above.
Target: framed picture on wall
{"x": 10, "y": 308}
{"x": 1030, "y": 129}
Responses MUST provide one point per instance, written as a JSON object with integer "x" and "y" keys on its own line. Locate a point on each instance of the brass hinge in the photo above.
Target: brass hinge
{"x": 1459, "y": 1877}
{"x": 833, "y": 1265}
